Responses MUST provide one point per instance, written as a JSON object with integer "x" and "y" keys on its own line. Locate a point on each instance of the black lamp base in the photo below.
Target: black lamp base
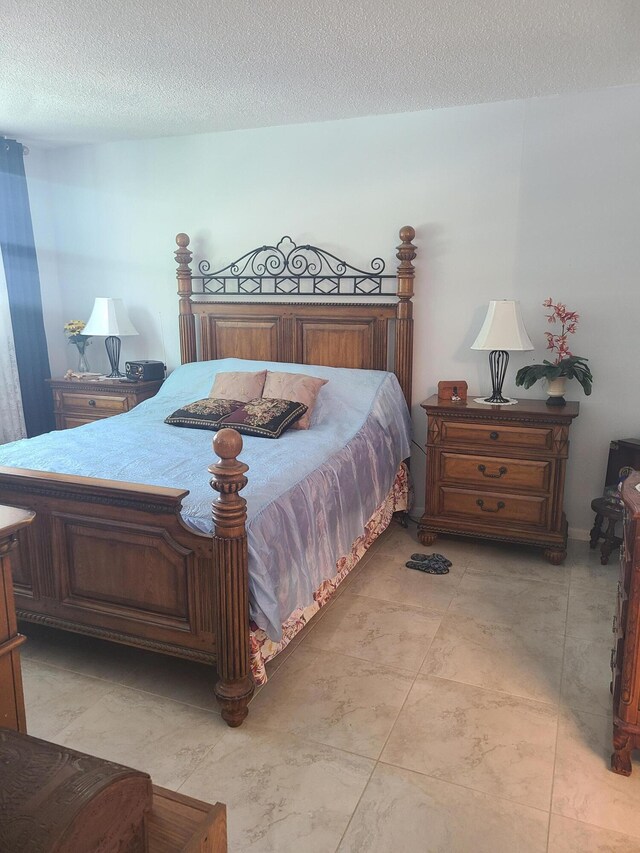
{"x": 112, "y": 345}
{"x": 498, "y": 361}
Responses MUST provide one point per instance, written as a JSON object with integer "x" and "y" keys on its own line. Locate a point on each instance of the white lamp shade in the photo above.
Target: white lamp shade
{"x": 503, "y": 328}
{"x": 109, "y": 317}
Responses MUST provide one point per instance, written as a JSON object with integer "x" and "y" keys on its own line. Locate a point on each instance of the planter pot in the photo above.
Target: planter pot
{"x": 556, "y": 390}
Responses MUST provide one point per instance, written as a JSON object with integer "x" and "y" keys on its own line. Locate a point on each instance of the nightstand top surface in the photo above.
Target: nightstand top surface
{"x": 105, "y": 384}
{"x": 522, "y": 407}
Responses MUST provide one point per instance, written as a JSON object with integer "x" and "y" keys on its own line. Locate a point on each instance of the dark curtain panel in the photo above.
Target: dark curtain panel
{"x": 23, "y": 286}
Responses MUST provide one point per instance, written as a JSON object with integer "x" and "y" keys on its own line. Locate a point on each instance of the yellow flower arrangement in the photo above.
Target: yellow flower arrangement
{"x": 73, "y": 330}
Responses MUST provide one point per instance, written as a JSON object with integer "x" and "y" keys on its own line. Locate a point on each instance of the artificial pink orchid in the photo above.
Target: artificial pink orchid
{"x": 569, "y": 323}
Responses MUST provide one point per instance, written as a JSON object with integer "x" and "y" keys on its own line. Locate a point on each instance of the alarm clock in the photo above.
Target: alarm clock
{"x": 144, "y": 370}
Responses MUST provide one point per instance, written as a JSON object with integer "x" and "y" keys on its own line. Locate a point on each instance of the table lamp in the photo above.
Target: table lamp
{"x": 502, "y": 330}
{"x": 109, "y": 317}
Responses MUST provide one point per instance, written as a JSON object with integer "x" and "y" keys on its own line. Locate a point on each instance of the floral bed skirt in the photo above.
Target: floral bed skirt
{"x": 262, "y": 649}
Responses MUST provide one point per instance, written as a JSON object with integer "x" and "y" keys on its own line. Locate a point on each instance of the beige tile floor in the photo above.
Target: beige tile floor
{"x": 468, "y": 712}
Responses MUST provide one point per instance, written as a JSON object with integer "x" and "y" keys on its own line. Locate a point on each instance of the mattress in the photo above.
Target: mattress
{"x": 309, "y": 493}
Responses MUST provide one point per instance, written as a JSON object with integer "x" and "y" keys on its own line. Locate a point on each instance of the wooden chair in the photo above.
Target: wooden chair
{"x": 613, "y": 513}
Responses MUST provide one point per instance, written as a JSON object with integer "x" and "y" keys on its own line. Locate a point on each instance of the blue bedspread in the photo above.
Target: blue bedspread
{"x": 309, "y": 492}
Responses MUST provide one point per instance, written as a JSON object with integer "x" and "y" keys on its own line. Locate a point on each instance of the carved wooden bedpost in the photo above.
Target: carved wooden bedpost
{"x": 234, "y": 687}
{"x": 187, "y": 322}
{"x": 404, "y": 311}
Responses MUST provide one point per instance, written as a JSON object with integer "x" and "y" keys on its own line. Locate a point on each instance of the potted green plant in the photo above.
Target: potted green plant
{"x": 566, "y": 366}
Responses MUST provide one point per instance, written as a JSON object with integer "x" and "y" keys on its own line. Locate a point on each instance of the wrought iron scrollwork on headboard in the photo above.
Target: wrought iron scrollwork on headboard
{"x": 279, "y": 328}
{"x": 287, "y": 269}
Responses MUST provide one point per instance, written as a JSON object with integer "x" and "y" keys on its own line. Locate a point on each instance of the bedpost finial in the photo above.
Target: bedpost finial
{"x": 182, "y": 240}
{"x": 406, "y": 253}
{"x": 228, "y": 478}
{"x": 227, "y": 443}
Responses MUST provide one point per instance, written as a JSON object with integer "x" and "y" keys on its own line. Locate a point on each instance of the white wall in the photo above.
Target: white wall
{"x": 520, "y": 200}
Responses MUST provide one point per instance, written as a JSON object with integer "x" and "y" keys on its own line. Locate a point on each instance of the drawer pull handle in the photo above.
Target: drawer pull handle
{"x": 494, "y": 436}
{"x": 92, "y": 402}
{"x": 614, "y": 627}
{"x": 501, "y": 472}
{"x": 499, "y": 506}
{"x": 612, "y": 662}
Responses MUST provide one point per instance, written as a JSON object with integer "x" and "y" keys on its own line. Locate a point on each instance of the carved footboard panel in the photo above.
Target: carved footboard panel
{"x": 113, "y": 560}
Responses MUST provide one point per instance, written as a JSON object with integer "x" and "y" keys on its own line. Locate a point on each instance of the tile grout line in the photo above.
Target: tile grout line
{"x": 377, "y": 760}
{"x": 355, "y": 809}
{"x": 553, "y": 705}
{"x": 393, "y": 725}
{"x": 481, "y": 793}
{"x": 606, "y": 829}
{"x": 560, "y": 708}
{"x": 548, "y": 811}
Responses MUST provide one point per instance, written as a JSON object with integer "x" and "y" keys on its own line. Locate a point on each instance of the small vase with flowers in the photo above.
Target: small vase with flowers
{"x": 73, "y": 330}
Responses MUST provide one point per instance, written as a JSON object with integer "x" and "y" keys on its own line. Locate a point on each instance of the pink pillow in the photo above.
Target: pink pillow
{"x": 239, "y": 385}
{"x": 297, "y": 387}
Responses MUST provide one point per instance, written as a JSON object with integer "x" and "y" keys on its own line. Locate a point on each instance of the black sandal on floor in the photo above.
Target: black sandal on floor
{"x": 430, "y": 567}
{"x": 439, "y": 557}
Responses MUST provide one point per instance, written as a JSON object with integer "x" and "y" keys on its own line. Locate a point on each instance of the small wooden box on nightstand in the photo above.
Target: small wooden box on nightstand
{"x": 77, "y": 402}
{"x": 497, "y": 472}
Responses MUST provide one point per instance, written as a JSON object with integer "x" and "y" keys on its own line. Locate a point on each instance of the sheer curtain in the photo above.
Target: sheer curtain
{"x": 11, "y": 415}
{"x": 22, "y": 285}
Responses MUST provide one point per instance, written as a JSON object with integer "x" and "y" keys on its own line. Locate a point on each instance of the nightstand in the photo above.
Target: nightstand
{"x": 77, "y": 402}
{"x": 497, "y": 472}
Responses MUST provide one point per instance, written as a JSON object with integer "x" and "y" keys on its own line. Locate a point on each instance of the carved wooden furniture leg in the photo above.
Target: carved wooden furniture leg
{"x": 610, "y": 542}
{"x": 623, "y": 743}
{"x": 612, "y": 513}
{"x": 235, "y": 686}
{"x": 426, "y": 537}
{"x": 555, "y": 556}
{"x": 596, "y": 530}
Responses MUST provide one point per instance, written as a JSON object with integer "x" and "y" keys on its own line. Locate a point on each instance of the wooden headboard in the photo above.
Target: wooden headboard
{"x": 336, "y": 334}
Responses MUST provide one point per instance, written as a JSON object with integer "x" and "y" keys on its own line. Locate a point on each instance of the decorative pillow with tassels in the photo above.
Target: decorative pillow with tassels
{"x": 265, "y": 417}
{"x": 203, "y": 414}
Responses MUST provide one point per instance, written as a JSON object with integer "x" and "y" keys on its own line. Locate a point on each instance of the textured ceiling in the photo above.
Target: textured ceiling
{"x": 90, "y": 70}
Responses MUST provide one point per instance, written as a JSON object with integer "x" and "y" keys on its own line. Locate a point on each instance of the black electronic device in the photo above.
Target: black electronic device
{"x": 144, "y": 370}
{"x": 623, "y": 452}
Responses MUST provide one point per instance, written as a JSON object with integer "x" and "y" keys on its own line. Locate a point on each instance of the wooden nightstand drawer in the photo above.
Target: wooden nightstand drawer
{"x": 487, "y": 471}
{"x": 78, "y": 402}
{"x": 69, "y": 422}
{"x": 495, "y": 435}
{"x": 107, "y": 404}
{"x": 493, "y": 508}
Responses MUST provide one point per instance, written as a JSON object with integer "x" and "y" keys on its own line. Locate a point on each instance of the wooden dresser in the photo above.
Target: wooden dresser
{"x": 77, "y": 402}
{"x": 625, "y": 655}
{"x": 497, "y": 472}
{"x": 11, "y": 697}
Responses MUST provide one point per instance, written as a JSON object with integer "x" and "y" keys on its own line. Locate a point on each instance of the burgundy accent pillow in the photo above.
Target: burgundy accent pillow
{"x": 238, "y": 385}
{"x": 203, "y": 414}
{"x": 295, "y": 386}
{"x": 264, "y": 417}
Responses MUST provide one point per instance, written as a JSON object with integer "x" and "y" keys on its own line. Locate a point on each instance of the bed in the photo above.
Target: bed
{"x": 125, "y": 557}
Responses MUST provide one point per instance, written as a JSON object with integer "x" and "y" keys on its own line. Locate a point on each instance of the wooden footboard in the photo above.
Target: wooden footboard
{"x": 115, "y": 560}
